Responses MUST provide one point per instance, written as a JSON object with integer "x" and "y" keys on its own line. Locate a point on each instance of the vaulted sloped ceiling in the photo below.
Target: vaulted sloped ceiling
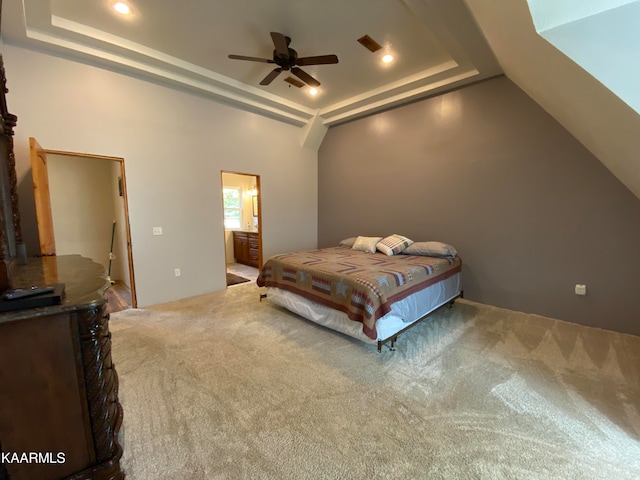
{"x": 596, "y": 116}
{"x": 602, "y": 36}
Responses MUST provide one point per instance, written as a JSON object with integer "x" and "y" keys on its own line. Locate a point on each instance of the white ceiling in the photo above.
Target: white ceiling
{"x": 436, "y": 44}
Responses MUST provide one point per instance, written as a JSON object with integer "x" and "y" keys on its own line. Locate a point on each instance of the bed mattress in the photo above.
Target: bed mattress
{"x": 361, "y": 285}
{"x": 403, "y": 312}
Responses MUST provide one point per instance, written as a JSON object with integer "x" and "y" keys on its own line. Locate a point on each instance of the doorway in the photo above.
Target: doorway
{"x": 242, "y": 217}
{"x": 81, "y": 208}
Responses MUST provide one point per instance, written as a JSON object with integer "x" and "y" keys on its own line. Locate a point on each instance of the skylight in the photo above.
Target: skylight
{"x": 602, "y": 36}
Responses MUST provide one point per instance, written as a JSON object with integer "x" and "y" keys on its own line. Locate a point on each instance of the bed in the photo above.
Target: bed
{"x": 366, "y": 293}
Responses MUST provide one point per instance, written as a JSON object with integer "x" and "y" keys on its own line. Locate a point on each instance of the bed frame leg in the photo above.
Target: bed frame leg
{"x": 460, "y": 295}
{"x": 392, "y": 347}
{"x": 392, "y": 340}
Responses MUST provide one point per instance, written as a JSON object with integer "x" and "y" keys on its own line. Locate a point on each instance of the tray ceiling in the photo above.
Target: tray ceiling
{"x": 436, "y": 46}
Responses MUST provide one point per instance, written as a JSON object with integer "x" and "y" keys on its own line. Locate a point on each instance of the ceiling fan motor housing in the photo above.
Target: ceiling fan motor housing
{"x": 286, "y": 63}
{"x": 287, "y": 59}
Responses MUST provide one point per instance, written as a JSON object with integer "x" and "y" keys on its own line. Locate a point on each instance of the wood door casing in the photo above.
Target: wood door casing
{"x": 259, "y": 211}
{"x": 42, "y": 198}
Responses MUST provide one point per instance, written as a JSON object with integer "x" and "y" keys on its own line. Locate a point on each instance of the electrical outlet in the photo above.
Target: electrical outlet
{"x": 157, "y": 230}
{"x": 177, "y": 272}
{"x": 581, "y": 289}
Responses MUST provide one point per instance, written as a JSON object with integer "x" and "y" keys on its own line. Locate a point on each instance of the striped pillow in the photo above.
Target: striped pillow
{"x": 393, "y": 244}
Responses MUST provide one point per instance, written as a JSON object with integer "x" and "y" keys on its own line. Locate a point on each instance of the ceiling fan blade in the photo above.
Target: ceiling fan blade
{"x": 305, "y": 77}
{"x": 252, "y": 59}
{"x": 272, "y": 75}
{"x": 281, "y": 44}
{"x": 319, "y": 60}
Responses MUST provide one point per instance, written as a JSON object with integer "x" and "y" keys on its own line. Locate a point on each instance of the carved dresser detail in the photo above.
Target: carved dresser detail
{"x": 59, "y": 386}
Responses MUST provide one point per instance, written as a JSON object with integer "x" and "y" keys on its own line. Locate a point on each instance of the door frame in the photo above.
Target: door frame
{"x": 259, "y": 195}
{"x": 43, "y": 202}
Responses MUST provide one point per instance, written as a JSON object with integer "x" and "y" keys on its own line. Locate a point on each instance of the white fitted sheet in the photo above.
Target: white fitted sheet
{"x": 402, "y": 314}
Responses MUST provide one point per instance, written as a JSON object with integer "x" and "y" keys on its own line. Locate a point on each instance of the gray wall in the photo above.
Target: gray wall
{"x": 484, "y": 168}
{"x": 174, "y": 145}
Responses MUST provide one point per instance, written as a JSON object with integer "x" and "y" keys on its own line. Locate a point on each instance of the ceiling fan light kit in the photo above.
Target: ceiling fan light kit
{"x": 287, "y": 59}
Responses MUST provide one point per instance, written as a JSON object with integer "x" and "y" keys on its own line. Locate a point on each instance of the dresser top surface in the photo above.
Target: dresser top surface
{"x": 85, "y": 283}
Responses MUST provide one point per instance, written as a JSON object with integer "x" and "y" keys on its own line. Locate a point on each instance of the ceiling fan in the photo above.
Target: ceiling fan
{"x": 287, "y": 59}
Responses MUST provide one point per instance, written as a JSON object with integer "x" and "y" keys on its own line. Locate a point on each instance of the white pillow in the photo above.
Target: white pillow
{"x": 366, "y": 244}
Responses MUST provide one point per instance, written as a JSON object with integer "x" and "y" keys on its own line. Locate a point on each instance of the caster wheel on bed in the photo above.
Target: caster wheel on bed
{"x": 392, "y": 347}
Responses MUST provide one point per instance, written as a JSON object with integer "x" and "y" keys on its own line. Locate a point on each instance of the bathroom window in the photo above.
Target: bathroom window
{"x": 232, "y": 198}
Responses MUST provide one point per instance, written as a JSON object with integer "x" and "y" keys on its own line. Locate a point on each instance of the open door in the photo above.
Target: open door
{"x": 44, "y": 215}
{"x": 42, "y": 198}
{"x": 242, "y": 226}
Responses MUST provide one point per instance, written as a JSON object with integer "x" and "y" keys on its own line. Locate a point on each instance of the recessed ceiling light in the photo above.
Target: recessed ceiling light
{"x": 313, "y": 91}
{"x": 387, "y": 58}
{"x": 122, "y": 8}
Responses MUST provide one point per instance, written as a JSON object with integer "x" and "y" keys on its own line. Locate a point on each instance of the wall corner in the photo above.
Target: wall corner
{"x": 313, "y": 133}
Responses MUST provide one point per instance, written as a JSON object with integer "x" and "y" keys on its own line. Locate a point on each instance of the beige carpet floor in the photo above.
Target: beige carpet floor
{"x": 222, "y": 386}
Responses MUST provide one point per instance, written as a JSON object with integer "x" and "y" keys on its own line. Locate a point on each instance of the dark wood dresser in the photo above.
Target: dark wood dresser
{"x": 58, "y": 385}
{"x": 245, "y": 248}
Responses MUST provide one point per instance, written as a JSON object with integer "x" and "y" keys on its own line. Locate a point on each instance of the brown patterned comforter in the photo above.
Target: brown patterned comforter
{"x": 362, "y": 285}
